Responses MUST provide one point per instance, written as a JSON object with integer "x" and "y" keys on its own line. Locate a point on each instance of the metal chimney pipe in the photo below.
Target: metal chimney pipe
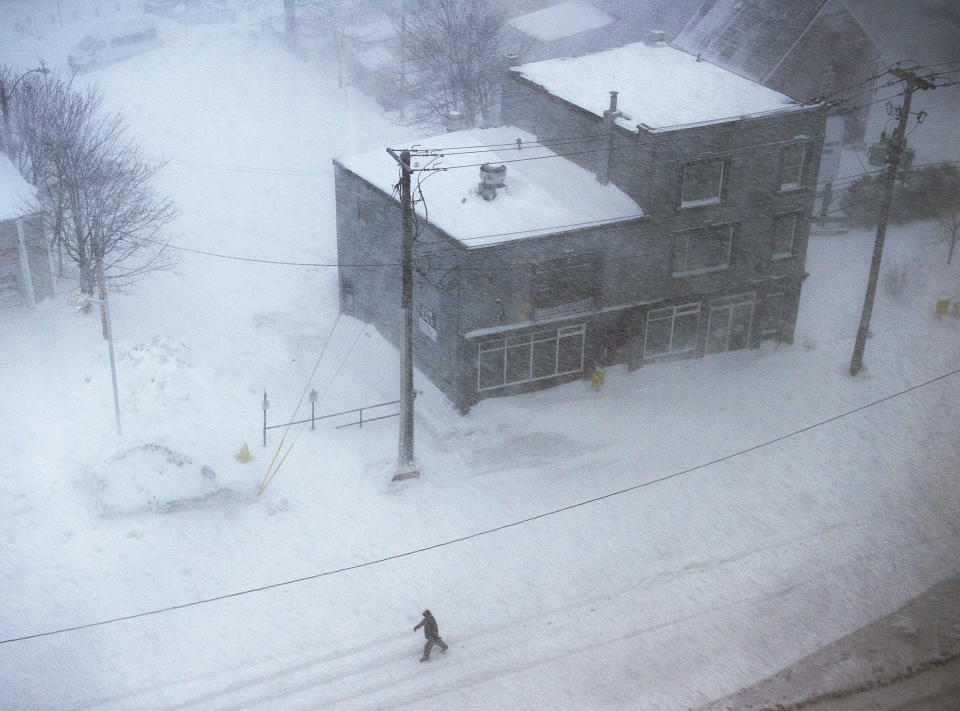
{"x": 606, "y": 153}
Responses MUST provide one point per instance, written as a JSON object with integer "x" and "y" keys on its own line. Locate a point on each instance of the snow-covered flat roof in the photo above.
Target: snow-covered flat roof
{"x": 16, "y": 193}
{"x": 541, "y": 196}
{"x": 658, "y": 86}
{"x": 563, "y": 20}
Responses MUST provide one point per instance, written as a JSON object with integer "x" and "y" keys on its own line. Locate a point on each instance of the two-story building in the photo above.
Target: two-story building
{"x": 667, "y": 221}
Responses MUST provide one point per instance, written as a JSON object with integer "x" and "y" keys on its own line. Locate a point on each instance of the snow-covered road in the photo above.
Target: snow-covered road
{"x": 660, "y": 598}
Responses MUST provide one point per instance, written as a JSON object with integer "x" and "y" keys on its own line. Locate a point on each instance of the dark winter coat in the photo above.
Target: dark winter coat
{"x": 429, "y": 624}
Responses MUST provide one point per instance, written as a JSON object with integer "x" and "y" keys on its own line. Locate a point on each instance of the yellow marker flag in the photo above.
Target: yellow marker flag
{"x": 596, "y": 380}
{"x": 244, "y": 455}
{"x": 943, "y": 306}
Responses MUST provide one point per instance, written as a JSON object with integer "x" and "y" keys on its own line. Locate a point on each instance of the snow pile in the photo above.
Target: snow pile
{"x": 155, "y": 478}
{"x": 159, "y": 374}
{"x": 659, "y": 86}
{"x": 561, "y": 20}
{"x": 540, "y": 197}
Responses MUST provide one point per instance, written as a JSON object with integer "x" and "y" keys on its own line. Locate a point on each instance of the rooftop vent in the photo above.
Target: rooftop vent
{"x": 655, "y": 38}
{"x": 492, "y": 178}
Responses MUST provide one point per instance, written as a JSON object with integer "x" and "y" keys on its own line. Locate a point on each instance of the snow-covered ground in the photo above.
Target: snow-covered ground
{"x": 660, "y": 598}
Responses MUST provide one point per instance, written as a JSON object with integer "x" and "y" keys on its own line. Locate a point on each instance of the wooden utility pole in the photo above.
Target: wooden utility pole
{"x": 911, "y": 83}
{"x": 406, "y": 468}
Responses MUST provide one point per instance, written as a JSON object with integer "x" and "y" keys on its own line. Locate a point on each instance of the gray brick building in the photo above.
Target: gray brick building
{"x": 673, "y": 227}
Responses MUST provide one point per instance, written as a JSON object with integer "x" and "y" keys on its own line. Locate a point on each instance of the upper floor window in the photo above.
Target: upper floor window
{"x": 785, "y": 231}
{"x": 702, "y": 183}
{"x": 792, "y": 163}
{"x": 704, "y": 249}
{"x": 564, "y": 285}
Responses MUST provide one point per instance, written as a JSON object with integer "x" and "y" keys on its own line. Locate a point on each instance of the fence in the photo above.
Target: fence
{"x": 313, "y": 419}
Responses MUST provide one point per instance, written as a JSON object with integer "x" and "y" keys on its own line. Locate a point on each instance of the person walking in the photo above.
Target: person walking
{"x": 432, "y": 633}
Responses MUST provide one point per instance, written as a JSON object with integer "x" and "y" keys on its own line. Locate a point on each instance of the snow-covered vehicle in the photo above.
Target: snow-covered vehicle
{"x": 192, "y": 12}
{"x": 114, "y": 41}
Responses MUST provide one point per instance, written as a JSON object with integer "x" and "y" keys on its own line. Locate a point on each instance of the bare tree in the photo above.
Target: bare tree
{"x": 93, "y": 183}
{"x": 333, "y": 16}
{"x": 453, "y": 53}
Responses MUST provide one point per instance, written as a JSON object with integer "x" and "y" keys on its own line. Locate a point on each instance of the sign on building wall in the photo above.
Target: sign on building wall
{"x": 428, "y": 323}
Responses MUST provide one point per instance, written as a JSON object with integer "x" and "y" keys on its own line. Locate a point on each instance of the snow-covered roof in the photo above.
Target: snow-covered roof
{"x": 376, "y": 58}
{"x": 659, "y": 86}
{"x": 378, "y": 28}
{"x": 748, "y": 36}
{"x": 16, "y": 193}
{"x": 541, "y": 196}
{"x": 125, "y": 26}
{"x": 563, "y": 20}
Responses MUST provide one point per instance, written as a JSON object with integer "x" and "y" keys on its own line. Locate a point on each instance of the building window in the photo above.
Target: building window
{"x": 428, "y": 322}
{"x": 731, "y": 318}
{"x": 672, "y": 330}
{"x": 704, "y": 249}
{"x": 534, "y": 356}
{"x": 566, "y": 285}
{"x": 702, "y": 183}
{"x": 772, "y": 312}
{"x": 792, "y": 163}
{"x": 785, "y": 230}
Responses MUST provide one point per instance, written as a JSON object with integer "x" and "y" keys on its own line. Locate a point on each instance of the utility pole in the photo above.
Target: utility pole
{"x": 912, "y": 82}
{"x": 406, "y": 468}
{"x": 403, "y": 58}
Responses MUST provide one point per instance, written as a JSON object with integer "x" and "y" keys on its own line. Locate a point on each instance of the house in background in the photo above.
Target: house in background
{"x": 26, "y": 273}
{"x": 572, "y": 28}
{"x": 808, "y": 49}
{"x": 567, "y": 29}
{"x": 667, "y": 221}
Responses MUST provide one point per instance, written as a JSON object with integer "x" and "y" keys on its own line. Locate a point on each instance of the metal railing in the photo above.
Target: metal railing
{"x": 313, "y": 419}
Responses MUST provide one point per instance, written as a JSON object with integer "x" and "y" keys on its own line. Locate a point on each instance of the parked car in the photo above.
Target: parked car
{"x": 114, "y": 41}
{"x": 192, "y": 12}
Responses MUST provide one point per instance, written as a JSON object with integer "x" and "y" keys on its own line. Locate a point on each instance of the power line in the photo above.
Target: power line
{"x": 495, "y": 529}
{"x": 264, "y": 261}
{"x": 547, "y": 229}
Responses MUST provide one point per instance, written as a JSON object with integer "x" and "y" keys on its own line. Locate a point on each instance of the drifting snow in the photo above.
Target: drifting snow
{"x": 672, "y": 595}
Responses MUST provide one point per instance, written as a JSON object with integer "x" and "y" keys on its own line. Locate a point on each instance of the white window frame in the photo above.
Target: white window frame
{"x": 728, "y": 303}
{"x": 791, "y": 185}
{"x": 797, "y": 216}
{"x": 686, "y": 249}
{"x": 772, "y": 332}
{"x": 713, "y": 200}
{"x": 671, "y": 313}
{"x": 500, "y": 344}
